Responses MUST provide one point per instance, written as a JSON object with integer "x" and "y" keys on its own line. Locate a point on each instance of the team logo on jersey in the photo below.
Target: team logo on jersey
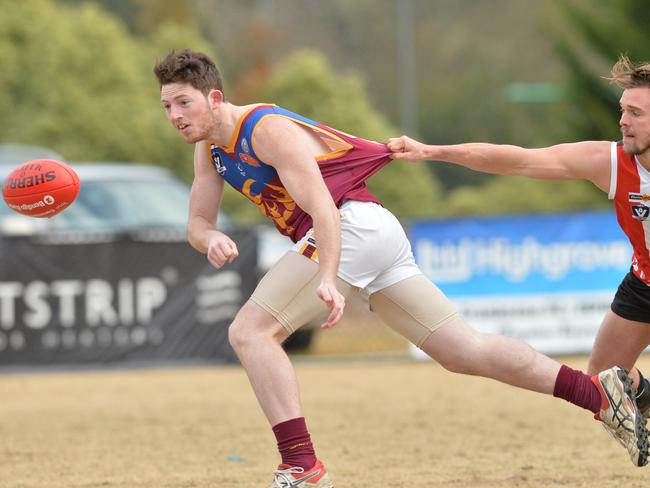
{"x": 638, "y": 197}
{"x": 248, "y": 159}
{"x": 640, "y": 212}
{"x": 244, "y": 146}
{"x": 216, "y": 160}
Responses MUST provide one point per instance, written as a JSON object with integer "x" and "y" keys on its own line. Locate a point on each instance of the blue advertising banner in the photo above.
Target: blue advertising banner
{"x": 548, "y": 279}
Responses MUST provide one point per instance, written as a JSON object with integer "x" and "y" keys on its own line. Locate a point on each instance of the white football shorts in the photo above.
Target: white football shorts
{"x": 375, "y": 252}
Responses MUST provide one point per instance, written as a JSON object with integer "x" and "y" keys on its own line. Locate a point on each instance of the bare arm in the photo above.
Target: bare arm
{"x": 205, "y": 200}
{"x": 284, "y": 145}
{"x": 581, "y": 160}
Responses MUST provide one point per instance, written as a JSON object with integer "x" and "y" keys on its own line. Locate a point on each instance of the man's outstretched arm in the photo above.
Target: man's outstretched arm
{"x": 588, "y": 160}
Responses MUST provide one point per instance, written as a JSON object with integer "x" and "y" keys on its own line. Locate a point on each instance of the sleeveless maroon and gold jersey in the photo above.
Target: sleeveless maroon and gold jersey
{"x": 345, "y": 168}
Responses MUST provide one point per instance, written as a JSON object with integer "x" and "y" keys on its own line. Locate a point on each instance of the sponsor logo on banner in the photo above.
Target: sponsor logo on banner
{"x": 218, "y": 296}
{"x": 546, "y": 279}
{"x": 500, "y": 259}
{"x": 111, "y": 312}
{"x": 140, "y": 300}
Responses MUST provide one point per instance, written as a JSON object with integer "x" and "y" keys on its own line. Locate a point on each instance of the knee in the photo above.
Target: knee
{"x": 249, "y": 331}
{"x": 463, "y": 358}
{"x": 245, "y": 335}
{"x": 239, "y": 336}
{"x": 461, "y": 362}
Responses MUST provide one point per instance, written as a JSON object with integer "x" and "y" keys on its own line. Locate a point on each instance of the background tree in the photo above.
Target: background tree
{"x": 589, "y": 42}
{"x": 86, "y": 87}
{"x": 516, "y": 195}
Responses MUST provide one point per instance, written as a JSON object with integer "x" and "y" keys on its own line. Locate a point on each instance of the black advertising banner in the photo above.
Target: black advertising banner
{"x": 118, "y": 300}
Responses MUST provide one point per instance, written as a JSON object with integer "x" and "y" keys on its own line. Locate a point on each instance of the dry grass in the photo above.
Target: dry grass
{"x": 376, "y": 424}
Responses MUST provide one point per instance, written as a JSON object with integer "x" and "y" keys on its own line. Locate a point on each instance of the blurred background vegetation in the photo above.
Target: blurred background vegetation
{"x": 77, "y": 77}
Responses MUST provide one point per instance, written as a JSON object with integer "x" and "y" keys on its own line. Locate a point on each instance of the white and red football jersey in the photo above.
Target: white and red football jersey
{"x": 630, "y": 190}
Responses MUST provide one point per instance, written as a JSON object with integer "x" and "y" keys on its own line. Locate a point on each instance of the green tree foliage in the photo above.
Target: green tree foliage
{"x": 593, "y": 36}
{"x": 77, "y": 77}
{"x": 143, "y": 16}
{"x": 514, "y": 195}
{"x": 466, "y": 70}
{"x": 86, "y": 87}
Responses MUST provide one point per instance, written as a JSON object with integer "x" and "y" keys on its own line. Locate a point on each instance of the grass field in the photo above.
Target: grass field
{"x": 378, "y": 423}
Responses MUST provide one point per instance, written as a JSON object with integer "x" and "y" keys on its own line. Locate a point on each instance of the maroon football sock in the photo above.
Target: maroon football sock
{"x": 577, "y": 388}
{"x": 294, "y": 443}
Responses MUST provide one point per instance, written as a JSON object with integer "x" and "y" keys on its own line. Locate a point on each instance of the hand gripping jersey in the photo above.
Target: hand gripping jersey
{"x": 630, "y": 189}
{"x": 345, "y": 169}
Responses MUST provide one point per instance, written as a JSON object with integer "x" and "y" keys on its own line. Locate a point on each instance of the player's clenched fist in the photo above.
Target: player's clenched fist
{"x": 221, "y": 249}
{"x": 407, "y": 149}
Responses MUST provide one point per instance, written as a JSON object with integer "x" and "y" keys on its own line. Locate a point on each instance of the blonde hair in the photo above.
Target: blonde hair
{"x": 626, "y": 74}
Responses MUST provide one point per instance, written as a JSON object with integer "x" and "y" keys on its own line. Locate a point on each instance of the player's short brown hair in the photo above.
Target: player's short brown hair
{"x": 626, "y": 74}
{"x": 187, "y": 66}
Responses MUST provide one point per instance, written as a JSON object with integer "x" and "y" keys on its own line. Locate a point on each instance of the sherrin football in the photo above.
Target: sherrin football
{"x": 40, "y": 188}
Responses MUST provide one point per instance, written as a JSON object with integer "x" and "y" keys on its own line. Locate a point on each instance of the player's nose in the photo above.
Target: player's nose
{"x": 623, "y": 120}
{"x": 174, "y": 114}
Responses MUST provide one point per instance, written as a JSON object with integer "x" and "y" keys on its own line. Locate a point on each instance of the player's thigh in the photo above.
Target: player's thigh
{"x": 413, "y": 307}
{"x": 288, "y": 291}
{"x": 619, "y": 342}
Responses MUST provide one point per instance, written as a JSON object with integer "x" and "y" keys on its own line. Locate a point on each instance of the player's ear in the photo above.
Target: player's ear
{"x": 215, "y": 97}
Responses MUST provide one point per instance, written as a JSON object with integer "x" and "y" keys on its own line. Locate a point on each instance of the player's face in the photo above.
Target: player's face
{"x": 635, "y": 120}
{"x": 188, "y": 110}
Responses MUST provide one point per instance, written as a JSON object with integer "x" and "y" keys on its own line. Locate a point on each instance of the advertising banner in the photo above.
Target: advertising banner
{"x": 117, "y": 300}
{"x": 547, "y": 279}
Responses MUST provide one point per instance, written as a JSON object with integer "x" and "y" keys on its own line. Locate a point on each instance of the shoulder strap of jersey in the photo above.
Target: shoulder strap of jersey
{"x": 252, "y": 118}
{"x": 613, "y": 180}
